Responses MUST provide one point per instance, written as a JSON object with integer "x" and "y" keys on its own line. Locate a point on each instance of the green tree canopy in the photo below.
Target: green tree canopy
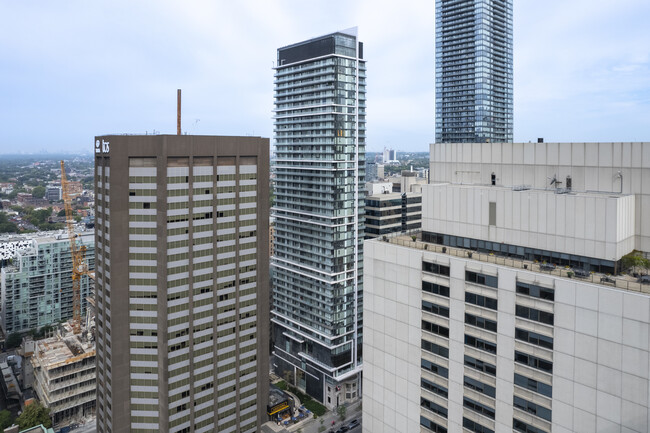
{"x": 13, "y": 340}
{"x": 33, "y": 415}
{"x": 38, "y": 192}
{"x": 7, "y": 226}
{"x": 5, "y": 419}
{"x": 634, "y": 260}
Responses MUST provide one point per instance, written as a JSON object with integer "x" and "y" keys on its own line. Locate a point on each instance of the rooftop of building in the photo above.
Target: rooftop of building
{"x": 62, "y": 349}
{"x": 530, "y": 188}
{"x": 13, "y": 244}
{"x": 623, "y": 282}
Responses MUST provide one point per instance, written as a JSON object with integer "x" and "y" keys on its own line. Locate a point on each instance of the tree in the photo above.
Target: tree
{"x": 5, "y": 419}
{"x": 634, "y": 260}
{"x": 38, "y": 192}
{"x": 33, "y": 415}
{"x": 13, "y": 340}
{"x": 61, "y": 213}
{"x": 7, "y": 226}
{"x": 342, "y": 411}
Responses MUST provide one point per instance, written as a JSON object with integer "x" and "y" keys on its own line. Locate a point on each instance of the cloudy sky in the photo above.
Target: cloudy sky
{"x": 75, "y": 69}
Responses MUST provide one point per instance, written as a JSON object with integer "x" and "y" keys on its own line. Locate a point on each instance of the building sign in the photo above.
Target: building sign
{"x": 278, "y": 408}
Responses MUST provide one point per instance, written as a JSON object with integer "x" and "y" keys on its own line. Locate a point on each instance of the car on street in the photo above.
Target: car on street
{"x": 644, "y": 279}
{"x": 353, "y": 424}
{"x": 343, "y": 429}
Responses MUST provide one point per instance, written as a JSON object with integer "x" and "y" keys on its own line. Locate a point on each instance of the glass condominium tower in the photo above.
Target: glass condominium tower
{"x": 473, "y": 71}
{"x": 317, "y": 266}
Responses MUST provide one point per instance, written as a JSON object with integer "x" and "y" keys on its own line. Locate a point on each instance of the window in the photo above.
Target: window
{"x": 478, "y": 278}
{"x": 493, "y": 208}
{"x": 521, "y": 426}
{"x": 480, "y": 322}
{"x": 435, "y": 388}
{"x": 481, "y": 301}
{"x": 534, "y": 385}
{"x": 534, "y": 314}
{"x": 434, "y": 368}
{"x": 536, "y": 291}
{"x": 433, "y": 407}
{"x": 481, "y": 344}
{"x": 436, "y": 329}
{"x": 478, "y": 407}
{"x": 533, "y": 361}
{"x": 479, "y": 365}
{"x": 435, "y": 349}
{"x": 431, "y": 426}
{"x": 534, "y": 338}
{"x": 435, "y": 268}
{"x": 533, "y": 408}
{"x": 475, "y": 427}
{"x": 436, "y": 289}
{"x": 481, "y": 387}
{"x": 430, "y": 307}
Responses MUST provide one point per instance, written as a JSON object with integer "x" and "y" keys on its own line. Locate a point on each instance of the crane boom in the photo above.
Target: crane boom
{"x": 79, "y": 266}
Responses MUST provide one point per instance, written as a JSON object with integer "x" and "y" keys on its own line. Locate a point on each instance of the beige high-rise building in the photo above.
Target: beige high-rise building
{"x": 182, "y": 283}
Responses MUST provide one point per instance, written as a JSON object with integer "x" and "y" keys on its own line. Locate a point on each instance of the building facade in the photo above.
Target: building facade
{"x": 64, "y": 375}
{"x": 182, "y": 301}
{"x": 392, "y": 213}
{"x": 37, "y": 284}
{"x": 320, "y": 88}
{"x": 474, "y": 71}
{"x": 508, "y": 312}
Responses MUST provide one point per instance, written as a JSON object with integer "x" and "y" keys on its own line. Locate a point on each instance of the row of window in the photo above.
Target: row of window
{"x": 436, "y": 329}
{"x": 532, "y": 408}
{"x": 481, "y": 301}
{"x": 481, "y": 322}
{"x": 534, "y": 314}
{"x": 436, "y": 289}
{"x": 534, "y": 338}
{"x": 435, "y": 349}
{"x": 433, "y": 407}
{"x": 431, "y": 426}
{"x": 430, "y": 307}
{"x": 480, "y": 344}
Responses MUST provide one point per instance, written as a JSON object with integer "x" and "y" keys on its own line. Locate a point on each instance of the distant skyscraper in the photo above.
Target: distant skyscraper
{"x": 182, "y": 283}
{"x": 473, "y": 71}
{"x": 320, "y": 124}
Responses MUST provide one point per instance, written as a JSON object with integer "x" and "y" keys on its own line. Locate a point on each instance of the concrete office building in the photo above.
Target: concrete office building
{"x": 392, "y": 213}
{"x": 501, "y": 316}
{"x": 182, "y": 283}
{"x": 320, "y": 133}
{"x": 473, "y": 71}
{"x": 36, "y": 281}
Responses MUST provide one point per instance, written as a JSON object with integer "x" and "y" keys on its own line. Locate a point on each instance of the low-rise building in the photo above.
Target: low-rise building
{"x": 64, "y": 375}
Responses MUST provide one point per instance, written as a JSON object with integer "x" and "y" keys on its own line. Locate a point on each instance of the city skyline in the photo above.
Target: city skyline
{"x": 69, "y": 71}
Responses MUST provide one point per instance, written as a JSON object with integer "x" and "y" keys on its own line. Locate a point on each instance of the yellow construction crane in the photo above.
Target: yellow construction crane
{"x": 78, "y": 253}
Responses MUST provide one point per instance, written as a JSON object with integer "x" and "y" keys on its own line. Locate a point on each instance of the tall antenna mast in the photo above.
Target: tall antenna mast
{"x": 178, "y": 112}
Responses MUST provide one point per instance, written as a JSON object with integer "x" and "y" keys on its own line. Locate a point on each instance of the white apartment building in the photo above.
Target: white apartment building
{"x": 502, "y": 314}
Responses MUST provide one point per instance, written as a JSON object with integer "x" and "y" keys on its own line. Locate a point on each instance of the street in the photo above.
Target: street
{"x": 312, "y": 426}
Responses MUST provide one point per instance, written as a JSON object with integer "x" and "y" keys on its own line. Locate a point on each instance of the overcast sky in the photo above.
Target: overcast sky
{"x": 75, "y": 69}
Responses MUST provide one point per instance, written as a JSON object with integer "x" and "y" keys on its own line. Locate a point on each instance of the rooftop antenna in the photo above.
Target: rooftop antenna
{"x": 178, "y": 112}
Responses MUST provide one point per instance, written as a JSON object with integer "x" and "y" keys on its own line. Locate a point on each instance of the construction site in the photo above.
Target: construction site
{"x": 64, "y": 373}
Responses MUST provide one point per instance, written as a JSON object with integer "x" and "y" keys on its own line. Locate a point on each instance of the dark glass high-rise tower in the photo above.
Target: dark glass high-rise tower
{"x": 317, "y": 264}
{"x": 473, "y": 71}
